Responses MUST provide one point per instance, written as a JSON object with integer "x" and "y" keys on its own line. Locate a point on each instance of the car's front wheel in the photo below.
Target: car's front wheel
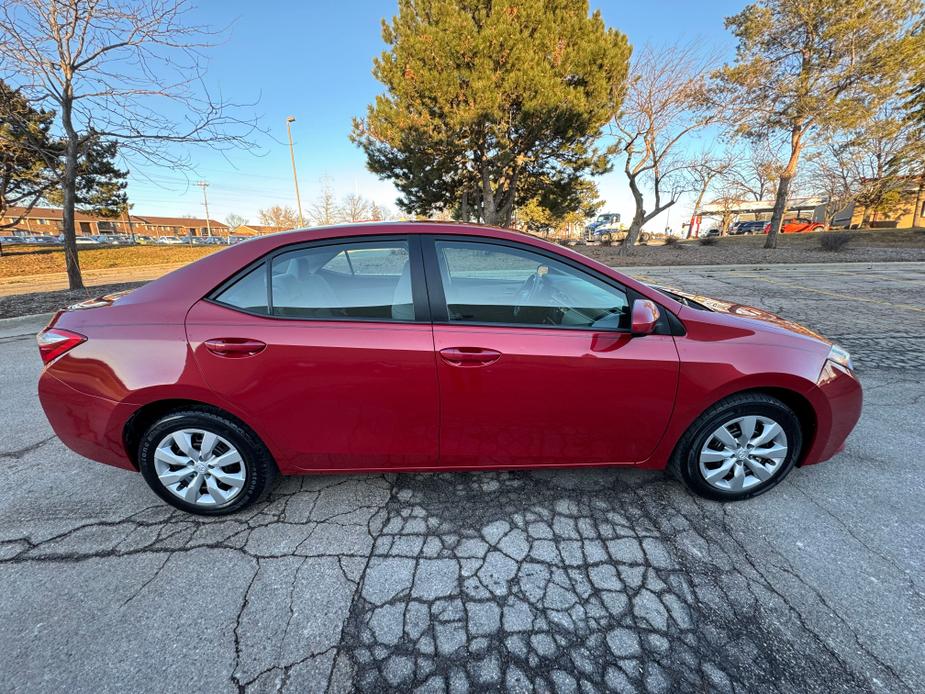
{"x": 205, "y": 463}
{"x": 739, "y": 448}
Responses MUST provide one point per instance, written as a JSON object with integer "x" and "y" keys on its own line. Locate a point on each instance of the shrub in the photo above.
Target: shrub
{"x": 835, "y": 240}
{"x": 672, "y": 240}
{"x": 709, "y": 241}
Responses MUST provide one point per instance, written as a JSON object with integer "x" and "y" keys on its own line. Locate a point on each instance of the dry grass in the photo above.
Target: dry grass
{"x": 45, "y": 302}
{"x": 835, "y": 241}
{"x": 862, "y": 238}
{"x": 881, "y": 245}
{"x": 40, "y": 260}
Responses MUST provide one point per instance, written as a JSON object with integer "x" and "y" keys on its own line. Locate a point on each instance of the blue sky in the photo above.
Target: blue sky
{"x": 313, "y": 60}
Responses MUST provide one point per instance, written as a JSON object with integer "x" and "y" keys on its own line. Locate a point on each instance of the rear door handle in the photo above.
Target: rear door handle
{"x": 469, "y": 356}
{"x": 234, "y": 347}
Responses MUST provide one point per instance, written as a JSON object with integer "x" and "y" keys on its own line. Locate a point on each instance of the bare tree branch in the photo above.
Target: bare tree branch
{"x": 126, "y": 71}
{"x": 667, "y": 101}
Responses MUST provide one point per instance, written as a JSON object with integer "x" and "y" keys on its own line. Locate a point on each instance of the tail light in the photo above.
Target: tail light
{"x": 53, "y": 342}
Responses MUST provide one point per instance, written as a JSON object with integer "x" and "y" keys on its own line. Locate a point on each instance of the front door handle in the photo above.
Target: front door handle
{"x": 234, "y": 347}
{"x": 469, "y": 356}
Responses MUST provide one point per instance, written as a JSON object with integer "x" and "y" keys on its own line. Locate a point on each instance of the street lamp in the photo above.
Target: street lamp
{"x": 295, "y": 178}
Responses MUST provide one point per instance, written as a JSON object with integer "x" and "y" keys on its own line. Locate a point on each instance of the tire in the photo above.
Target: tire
{"x": 236, "y": 471}
{"x": 700, "y": 454}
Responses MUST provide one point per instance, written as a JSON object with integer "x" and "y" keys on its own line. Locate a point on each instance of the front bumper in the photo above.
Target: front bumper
{"x": 838, "y": 409}
{"x": 89, "y": 425}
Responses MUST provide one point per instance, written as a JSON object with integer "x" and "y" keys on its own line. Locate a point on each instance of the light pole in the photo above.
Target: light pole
{"x": 289, "y": 121}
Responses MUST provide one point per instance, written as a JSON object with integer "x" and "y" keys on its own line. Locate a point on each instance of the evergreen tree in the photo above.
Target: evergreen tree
{"x": 100, "y": 184}
{"x": 488, "y": 104}
{"x": 25, "y": 175}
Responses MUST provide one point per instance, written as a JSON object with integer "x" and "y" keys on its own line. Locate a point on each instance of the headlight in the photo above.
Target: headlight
{"x": 841, "y": 357}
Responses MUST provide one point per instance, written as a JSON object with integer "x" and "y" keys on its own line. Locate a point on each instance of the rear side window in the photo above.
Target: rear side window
{"x": 249, "y": 292}
{"x": 364, "y": 280}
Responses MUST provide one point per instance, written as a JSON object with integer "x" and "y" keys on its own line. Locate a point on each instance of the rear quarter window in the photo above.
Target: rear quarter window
{"x": 248, "y": 293}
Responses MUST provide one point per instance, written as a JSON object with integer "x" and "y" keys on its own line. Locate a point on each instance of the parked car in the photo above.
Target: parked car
{"x": 710, "y": 232}
{"x": 170, "y": 240}
{"x": 603, "y": 224}
{"x": 797, "y": 225}
{"x": 86, "y": 241}
{"x": 747, "y": 228}
{"x": 432, "y": 347}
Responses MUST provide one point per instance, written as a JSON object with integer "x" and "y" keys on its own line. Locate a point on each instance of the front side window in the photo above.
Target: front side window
{"x": 370, "y": 280}
{"x": 490, "y": 283}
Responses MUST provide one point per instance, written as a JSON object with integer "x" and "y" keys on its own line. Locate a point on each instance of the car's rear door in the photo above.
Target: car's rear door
{"x": 336, "y": 362}
{"x": 535, "y": 361}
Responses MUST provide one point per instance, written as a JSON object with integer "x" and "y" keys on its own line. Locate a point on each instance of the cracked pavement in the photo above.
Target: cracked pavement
{"x": 547, "y": 581}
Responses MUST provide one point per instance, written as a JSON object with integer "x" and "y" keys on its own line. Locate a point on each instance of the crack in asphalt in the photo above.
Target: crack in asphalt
{"x": 910, "y": 578}
{"x": 26, "y": 450}
{"x": 575, "y": 590}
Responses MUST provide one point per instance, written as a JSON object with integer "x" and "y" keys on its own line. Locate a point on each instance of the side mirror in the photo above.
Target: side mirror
{"x": 644, "y": 317}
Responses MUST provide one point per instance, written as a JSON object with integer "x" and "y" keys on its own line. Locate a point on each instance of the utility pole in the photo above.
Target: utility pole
{"x": 205, "y": 202}
{"x": 295, "y": 178}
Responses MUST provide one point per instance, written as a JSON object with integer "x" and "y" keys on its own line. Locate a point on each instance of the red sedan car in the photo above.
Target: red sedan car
{"x": 796, "y": 226}
{"x": 424, "y": 346}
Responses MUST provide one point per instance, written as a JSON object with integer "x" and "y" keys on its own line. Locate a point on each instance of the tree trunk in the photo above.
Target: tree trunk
{"x": 464, "y": 206}
{"x": 489, "y": 208}
{"x": 506, "y": 214}
{"x": 68, "y": 190}
{"x": 783, "y": 187}
{"x": 917, "y": 212}
{"x": 777, "y": 214}
{"x": 703, "y": 191}
{"x": 639, "y": 218}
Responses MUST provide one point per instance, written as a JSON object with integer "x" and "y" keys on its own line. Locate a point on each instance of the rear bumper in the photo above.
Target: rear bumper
{"x": 838, "y": 410}
{"x": 89, "y": 425}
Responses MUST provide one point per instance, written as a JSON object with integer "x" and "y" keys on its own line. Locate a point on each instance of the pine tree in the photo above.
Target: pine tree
{"x": 100, "y": 184}
{"x": 489, "y": 104}
{"x": 25, "y": 146}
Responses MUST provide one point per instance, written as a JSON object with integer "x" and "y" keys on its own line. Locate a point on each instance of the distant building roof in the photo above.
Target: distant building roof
{"x": 47, "y": 213}
{"x": 57, "y": 214}
{"x": 259, "y": 229}
{"x": 748, "y": 206}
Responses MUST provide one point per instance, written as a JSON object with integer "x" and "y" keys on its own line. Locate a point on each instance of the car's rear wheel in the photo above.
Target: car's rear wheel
{"x": 205, "y": 463}
{"x": 739, "y": 448}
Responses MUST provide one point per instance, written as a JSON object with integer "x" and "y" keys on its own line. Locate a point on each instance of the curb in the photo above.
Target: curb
{"x": 23, "y": 325}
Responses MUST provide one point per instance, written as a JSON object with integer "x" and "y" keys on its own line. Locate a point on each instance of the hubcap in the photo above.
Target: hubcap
{"x": 742, "y": 453}
{"x": 199, "y": 467}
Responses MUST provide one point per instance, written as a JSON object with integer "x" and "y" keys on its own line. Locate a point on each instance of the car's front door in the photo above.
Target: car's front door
{"x": 336, "y": 362}
{"x": 536, "y": 363}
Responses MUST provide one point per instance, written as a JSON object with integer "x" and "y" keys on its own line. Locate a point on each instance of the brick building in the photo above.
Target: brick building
{"x": 47, "y": 221}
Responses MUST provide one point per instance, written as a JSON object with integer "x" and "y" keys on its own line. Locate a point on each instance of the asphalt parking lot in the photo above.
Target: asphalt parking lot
{"x": 574, "y": 580}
